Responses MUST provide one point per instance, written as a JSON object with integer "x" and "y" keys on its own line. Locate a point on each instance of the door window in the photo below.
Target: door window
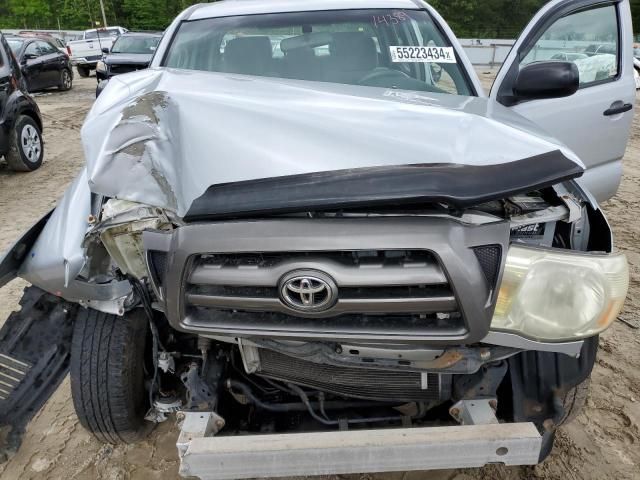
{"x": 46, "y": 48}
{"x": 32, "y": 49}
{"x": 588, "y": 38}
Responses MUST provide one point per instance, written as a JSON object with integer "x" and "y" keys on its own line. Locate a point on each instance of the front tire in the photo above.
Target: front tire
{"x": 107, "y": 375}
{"x": 574, "y": 401}
{"x": 26, "y": 148}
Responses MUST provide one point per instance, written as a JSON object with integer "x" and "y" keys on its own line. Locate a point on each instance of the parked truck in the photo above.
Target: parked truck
{"x": 86, "y": 53}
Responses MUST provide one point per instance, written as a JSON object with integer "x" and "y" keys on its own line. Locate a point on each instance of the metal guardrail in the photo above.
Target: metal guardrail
{"x": 492, "y": 54}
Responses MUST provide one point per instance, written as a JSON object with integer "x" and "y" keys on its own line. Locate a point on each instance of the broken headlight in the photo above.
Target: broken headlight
{"x": 555, "y": 295}
{"x": 121, "y": 227}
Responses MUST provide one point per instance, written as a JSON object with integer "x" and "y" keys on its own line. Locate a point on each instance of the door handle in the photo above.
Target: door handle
{"x": 617, "y": 108}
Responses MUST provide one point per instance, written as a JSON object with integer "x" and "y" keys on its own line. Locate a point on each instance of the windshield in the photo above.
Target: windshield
{"x": 15, "y": 45}
{"x": 402, "y": 49}
{"x": 135, "y": 45}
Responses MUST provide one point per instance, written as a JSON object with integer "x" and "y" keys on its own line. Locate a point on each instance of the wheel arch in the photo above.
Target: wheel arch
{"x": 31, "y": 113}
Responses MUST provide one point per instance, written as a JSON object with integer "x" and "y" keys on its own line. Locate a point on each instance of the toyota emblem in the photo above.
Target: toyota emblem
{"x": 308, "y": 291}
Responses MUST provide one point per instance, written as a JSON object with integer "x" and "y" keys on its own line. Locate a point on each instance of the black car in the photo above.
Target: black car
{"x": 130, "y": 52}
{"x": 43, "y": 64}
{"x": 21, "y": 141}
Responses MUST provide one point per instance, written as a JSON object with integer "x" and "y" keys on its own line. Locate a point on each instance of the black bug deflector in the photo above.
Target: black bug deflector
{"x": 454, "y": 184}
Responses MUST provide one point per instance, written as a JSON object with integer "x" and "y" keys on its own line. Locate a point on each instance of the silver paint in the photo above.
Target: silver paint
{"x": 57, "y": 257}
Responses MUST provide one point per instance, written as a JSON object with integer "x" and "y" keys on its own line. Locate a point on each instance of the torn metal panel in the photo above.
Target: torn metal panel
{"x": 176, "y": 133}
{"x": 11, "y": 260}
{"x": 58, "y": 256}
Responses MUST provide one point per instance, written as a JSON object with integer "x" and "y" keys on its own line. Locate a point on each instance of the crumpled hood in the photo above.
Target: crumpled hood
{"x": 162, "y": 136}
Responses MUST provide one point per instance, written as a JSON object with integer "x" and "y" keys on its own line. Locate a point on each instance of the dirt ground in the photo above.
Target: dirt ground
{"x": 604, "y": 442}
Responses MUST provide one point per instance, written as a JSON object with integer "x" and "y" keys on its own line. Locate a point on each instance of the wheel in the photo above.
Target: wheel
{"x": 107, "y": 375}
{"x": 84, "y": 72}
{"x": 574, "y": 401}
{"x": 66, "y": 81}
{"x": 26, "y": 148}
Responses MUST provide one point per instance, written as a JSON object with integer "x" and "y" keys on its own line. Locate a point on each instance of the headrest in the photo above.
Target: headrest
{"x": 248, "y": 55}
{"x": 354, "y": 51}
{"x": 307, "y": 40}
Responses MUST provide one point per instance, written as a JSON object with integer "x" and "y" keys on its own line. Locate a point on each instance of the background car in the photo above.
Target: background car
{"x": 130, "y": 52}
{"x": 595, "y": 49}
{"x": 43, "y": 65}
{"x": 21, "y": 142}
{"x": 60, "y": 45}
{"x": 568, "y": 56}
{"x": 86, "y": 53}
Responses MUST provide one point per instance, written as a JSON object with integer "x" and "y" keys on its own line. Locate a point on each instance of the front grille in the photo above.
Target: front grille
{"x": 392, "y": 279}
{"x": 406, "y": 291}
{"x": 371, "y": 384}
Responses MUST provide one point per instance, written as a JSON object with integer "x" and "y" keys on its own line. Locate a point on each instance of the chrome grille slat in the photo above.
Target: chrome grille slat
{"x": 356, "y": 305}
{"x": 369, "y": 282}
{"x": 233, "y": 303}
{"x": 370, "y": 327}
{"x": 347, "y": 276}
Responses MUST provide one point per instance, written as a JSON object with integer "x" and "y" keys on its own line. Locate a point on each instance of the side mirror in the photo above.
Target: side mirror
{"x": 105, "y": 50}
{"x": 542, "y": 80}
{"x": 29, "y": 56}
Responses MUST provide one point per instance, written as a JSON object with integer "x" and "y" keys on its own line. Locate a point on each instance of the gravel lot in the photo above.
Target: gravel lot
{"x": 604, "y": 442}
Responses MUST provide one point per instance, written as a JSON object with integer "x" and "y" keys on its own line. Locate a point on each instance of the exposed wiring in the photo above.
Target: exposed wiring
{"x": 145, "y": 300}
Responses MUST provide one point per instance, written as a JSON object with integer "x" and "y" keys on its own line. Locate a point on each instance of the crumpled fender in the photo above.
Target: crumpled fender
{"x": 50, "y": 254}
{"x": 11, "y": 260}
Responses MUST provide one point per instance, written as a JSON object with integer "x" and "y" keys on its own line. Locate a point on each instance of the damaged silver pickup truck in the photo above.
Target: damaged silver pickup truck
{"x": 309, "y": 233}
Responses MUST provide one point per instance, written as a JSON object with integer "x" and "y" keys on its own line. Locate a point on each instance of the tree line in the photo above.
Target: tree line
{"x": 85, "y": 14}
{"x": 468, "y": 18}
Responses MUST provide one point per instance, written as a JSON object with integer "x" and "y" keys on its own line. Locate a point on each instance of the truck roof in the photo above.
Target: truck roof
{"x": 111, "y": 27}
{"x": 228, "y": 8}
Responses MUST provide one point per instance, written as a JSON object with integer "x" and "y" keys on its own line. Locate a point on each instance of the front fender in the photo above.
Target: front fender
{"x": 51, "y": 256}
{"x": 12, "y": 259}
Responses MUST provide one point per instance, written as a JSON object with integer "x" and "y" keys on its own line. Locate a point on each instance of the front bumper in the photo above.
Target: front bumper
{"x": 86, "y": 61}
{"x": 359, "y": 451}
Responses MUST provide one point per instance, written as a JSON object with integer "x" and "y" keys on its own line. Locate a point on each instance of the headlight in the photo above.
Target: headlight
{"x": 553, "y": 295}
{"x": 101, "y": 67}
